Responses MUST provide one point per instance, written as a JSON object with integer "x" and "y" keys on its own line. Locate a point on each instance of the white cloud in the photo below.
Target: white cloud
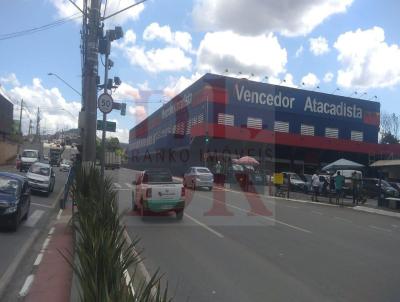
{"x": 177, "y": 85}
{"x": 310, "y": 80}
{"x": 179, "y": 39}
{"x": 319, "y": 46}
{"x": 253, "y": 17}
{"x": 367, "y": 60}
{"x": 65, "y": 9}
{"x": 121, "y": 133}
{"x": 299, "y": 51}
{"x": 126, "y": 92}
{"x": 56, "y": 112}
{"x": 170, "y": 58}
{"x": 328, "y": 77}
{"x": 138, "y": 112}
{"x": 10, "y": 79}
{"x": 261, "y": 55}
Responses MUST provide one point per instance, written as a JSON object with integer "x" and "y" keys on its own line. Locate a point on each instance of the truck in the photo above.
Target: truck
{"x": 27, "y": 158}
{"x": 156, "y": 192}
{"x": 55, "y": 155}
{"x": 112, "y": 160}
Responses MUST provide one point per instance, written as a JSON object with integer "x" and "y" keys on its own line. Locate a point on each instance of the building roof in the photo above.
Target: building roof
{"x": 386, "y": 163}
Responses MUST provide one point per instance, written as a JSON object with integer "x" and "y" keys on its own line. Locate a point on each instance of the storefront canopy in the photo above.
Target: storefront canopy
{"x": 342, "y": 164}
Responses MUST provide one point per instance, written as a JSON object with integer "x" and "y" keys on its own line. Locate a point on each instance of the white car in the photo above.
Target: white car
{"x": 196, "y": 177}
{"x": 41, "y": 177}
{"x": 65, "y": 165}
{"x": 28, "y": 157}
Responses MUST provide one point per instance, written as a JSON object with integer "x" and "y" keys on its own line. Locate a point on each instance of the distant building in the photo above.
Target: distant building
{"x": 6, "y": 115}
{"x": 285, "y": 129}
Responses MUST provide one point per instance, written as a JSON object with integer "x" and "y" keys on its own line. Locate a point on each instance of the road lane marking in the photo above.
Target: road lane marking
{"x": 129, "y": 185}
{"x": 292, "y": 207}
{"x": 38, "y": 259}
{"x": 41, "y": 205}
{"x": 342, "y": 219}
{"x": 262, "y": 216}
{"x": 205, "y": 226}
{"x": 34, "y": 218}
{"x": 46, "y": 243}
{"x": 379, "y": 228}
{"x": 317, "y": 212}
{"x": 51, "y": 231}
{"x": 27, "y": 285}
{"x": 59, "y": 214}
{"x": 117, "y": 185}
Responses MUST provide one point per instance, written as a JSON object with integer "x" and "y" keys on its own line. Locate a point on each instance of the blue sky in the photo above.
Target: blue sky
{"x": 352, "y": 45}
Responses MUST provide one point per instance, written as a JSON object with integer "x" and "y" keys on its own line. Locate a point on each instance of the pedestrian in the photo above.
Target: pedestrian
{"x": 315, "y": 185}
{"x": 339, "y": 183}
{"x": 354, "y": 184}
{"x": 218, "y": 171}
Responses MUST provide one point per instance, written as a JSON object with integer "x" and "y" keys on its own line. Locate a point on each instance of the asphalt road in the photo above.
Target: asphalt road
{"x": 22, "y": 243}
{"x": 279, "y": 251}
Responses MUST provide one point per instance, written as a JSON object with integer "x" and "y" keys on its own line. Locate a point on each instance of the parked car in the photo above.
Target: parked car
{"x": 371, "y": 188}
{"x": 196, "y": 177}
{"x": 28, "y": 157}
{"x": 15, "y": 199}
{"x": 296, "y": 183}
{"x": 65, "y": 165}
{"x": 155, "y": 191}
{"x": 41, "y": 177}
{"x": 395, "y": 185}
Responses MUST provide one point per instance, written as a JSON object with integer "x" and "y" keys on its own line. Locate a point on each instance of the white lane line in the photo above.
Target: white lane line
{"x": 292, "y": 207}
{"x": 46, "y": 243}
{"x": 342, "y": 219}
{"x": 38, "y": 259}
{"x": 51, "y": 231}
{"x": 317, "y": 212}
{"x": 59, "y": 214}
{"x": 379, "y": 228}
{"x": 117, "y": 185}
{"x": 262, "y": 216}
{"x": 130, "y": 186}
{"x": 27, "y": 285}
{"x": 34, "y": 218}
{"x": 41, "y": 205}
{"x": 205, "y": 226}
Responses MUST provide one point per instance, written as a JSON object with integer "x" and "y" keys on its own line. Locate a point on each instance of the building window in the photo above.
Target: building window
{"x": 225, "y": 119}
{"x": 332, "y": 132}
{"x": 307, "y": 130}
{"x": 281, "y": 126}
{"x": 255, "y": 123}
{"x": 357, "y": 136}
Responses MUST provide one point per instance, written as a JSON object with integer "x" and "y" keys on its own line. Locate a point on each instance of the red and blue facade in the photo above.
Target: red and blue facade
{"x": 234, "y": 117}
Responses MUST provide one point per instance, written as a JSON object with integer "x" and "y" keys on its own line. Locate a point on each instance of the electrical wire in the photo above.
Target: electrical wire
{"x": 105, "y": 9}
{"x": 39, "y": 28}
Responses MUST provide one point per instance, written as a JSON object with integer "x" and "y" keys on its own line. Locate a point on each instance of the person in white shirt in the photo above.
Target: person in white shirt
{"x": 315, "y": 185}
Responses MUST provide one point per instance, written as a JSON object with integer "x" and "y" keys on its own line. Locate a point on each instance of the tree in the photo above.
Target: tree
{"x": 389, "y": 138}
{"x": 112, "y": 144}
{"x": 390, "y": 124}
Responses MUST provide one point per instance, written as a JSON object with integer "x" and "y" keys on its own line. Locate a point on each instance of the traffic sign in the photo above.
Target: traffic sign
{"x": 105, "y": 103}
{"x": 110, "y": 126}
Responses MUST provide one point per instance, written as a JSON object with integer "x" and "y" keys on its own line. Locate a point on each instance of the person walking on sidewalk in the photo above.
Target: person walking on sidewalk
{"x": 339, "y": 183}
{"x": 315, "y": 185}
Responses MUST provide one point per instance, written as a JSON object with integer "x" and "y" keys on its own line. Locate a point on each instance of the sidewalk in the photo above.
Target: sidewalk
{"x": 52, "y": 277}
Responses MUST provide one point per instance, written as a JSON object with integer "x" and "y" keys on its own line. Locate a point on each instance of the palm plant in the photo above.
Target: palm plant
{"x": 103, "y": 255}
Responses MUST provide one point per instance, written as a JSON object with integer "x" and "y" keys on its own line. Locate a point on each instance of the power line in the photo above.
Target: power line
{"x": 39, "y": 28}
{"x": 122, "y": 10}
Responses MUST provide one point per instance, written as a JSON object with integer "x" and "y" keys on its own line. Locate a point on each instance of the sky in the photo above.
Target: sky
{"x": 346, "y": 47}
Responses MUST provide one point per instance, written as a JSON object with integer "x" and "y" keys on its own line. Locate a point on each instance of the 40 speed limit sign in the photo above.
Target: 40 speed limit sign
{"x": 105, "y": 103}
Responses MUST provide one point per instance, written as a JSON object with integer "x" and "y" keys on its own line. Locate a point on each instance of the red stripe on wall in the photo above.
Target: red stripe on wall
{"x": 289, "y": 139}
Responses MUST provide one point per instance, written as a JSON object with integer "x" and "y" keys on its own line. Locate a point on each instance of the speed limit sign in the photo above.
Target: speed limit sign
{"x": 105, "y": 103}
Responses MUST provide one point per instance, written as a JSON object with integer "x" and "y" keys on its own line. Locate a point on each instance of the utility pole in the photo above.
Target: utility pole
{"x": 38, "y": 125}
{"x": 89, "y": 88}
{"x": 30, "y": 128}
{"x": 20, "y": 117}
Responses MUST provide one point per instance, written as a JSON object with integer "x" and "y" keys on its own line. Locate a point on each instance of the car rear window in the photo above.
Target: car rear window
{"x": 157, "y": 176}
{"x": 40, "y": 170}
{"x": 8, "y": 185}
{"x": 30, "y": 154}
{"x": 203, "y": 170}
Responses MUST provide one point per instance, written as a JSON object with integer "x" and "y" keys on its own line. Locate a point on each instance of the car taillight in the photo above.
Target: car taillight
{"x": 183, "y": 192}
{"x": 148, "y": 193}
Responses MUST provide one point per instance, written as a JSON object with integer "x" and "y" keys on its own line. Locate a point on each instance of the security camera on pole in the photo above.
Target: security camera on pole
{"x": 105, "y": 102}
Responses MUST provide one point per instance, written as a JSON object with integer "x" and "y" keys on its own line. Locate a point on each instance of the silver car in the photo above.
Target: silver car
{"x": 196, "y": 177}
{"x": 41, "y": 177}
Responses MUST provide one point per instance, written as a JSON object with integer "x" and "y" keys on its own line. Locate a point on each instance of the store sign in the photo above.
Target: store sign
{"x": 177, "y": 105}
{"x": 303, "y": 102}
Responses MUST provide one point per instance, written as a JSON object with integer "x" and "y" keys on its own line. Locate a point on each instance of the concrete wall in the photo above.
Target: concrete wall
{"x": 8, "y": 152}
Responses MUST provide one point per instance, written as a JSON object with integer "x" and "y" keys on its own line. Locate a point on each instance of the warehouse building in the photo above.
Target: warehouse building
{"x": 221, "y": 118}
